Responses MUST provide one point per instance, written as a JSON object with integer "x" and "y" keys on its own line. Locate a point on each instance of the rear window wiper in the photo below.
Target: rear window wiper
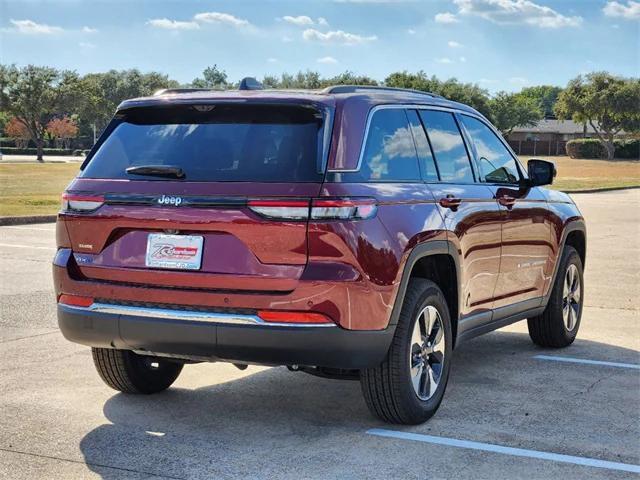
{"x": 156, "y": 171}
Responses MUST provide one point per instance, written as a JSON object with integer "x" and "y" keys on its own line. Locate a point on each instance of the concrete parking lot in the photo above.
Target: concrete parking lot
{"x": 555, "y": 419}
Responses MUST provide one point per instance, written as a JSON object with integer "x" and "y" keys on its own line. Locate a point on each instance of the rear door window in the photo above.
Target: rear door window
{"x": 448, "y": 146}
{"x": 247, "y": 143}
{"x": 422, "y": 146}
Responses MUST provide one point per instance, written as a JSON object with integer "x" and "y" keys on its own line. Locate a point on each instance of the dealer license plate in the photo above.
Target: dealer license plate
{"x": 179, "y": 252}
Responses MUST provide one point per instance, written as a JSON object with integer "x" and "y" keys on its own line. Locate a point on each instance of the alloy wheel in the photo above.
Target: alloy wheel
{"x": 426, "y": 355}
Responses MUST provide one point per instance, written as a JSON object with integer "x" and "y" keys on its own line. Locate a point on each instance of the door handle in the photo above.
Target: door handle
{"x": 507, "y": 201}
{"x": 450, "y": 201}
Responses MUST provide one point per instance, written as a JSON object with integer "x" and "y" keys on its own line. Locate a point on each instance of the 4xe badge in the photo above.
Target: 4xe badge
{"x": 166, "y": 200}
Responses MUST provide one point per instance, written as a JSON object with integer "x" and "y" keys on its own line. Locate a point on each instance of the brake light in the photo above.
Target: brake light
{"x": 292, "y": 317}
{"x": 281, "y": 209}
{"x": 72, "y": 202}
{"x": 343, "y": 209}
{"x": 75, "y": 300}
{"x": 321, "y": 209}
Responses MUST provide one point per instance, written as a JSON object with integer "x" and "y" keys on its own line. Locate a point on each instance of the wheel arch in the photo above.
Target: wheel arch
{"x": 574, "y": 235}
{"x": 438, "y": 261}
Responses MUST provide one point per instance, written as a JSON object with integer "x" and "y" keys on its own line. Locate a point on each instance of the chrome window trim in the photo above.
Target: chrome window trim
{"x": 452, "y": 110}
{"x": 189, "y": 315}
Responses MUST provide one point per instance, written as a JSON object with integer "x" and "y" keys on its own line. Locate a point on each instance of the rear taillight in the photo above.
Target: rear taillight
{"x": 343, "y": 209}
{"x": 73, "y": 202}
{"x": 274, "y": 316}
{"x": 320, "y": 209}
{"x": 281, "y": 209}
{"x": 75, "y": 300}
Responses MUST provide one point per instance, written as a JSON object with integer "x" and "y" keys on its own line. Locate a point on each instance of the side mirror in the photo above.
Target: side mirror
{"x": 540, "y": 172}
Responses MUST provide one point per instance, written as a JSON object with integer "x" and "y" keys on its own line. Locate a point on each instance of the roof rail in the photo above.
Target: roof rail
{"x": 373, "y": 88}
{"x": 164, "y": 91}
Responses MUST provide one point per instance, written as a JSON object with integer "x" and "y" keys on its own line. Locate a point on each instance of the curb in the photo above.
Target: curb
{"x": 4, "y": 221}
{"x": 599, "y": 190}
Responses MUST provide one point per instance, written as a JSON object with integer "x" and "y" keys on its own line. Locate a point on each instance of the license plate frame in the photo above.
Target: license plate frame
{"x": 174, "y": 252}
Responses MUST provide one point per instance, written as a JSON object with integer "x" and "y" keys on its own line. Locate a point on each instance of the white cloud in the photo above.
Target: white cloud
{"x": 287, "y": 39}
{"x": 444, "y": 60}
{"x": 454, "y": 44}
{"x": 86, "y": 45}
{"x": 299, "y": 20}
{"x": 323, "y": 21}
{"x": 446, "y": 17}
{"x": 272, "y": 60}
{"x": 89, "y": 30}
{"x": 411, "y": 31}
{"x": 516, "y": 12}
{"x": 462, "y": 59}
{"x": 519, "y": 80}
{"x": 173, "y": 24}
{"x": 221, "y": 18}
{"x": 30, "y": 27}
{"x": 327, "y": 60}
{"x": 336, "y": 36}
{"x": 629, "y": 11}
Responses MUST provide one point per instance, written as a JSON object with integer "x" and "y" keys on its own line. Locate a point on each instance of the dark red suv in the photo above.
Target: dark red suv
{"x": 353, "y": 232}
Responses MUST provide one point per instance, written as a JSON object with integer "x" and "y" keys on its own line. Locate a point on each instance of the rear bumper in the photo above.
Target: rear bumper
{"x": 225, "y": 337}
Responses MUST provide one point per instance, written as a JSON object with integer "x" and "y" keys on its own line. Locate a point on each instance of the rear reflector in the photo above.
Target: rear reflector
{"x": 72, "y": 202}
{"x": 321, "y": 209}
{"x": 75, "y": 300}
{"x": 292, "y": 317}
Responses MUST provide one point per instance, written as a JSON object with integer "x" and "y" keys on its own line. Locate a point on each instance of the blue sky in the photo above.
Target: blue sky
{"x": 500, "y": 44}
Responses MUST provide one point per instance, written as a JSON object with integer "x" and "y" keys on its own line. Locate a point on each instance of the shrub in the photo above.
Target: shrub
{"x": 33, "y": 151}
{"x": 592, "y": 148}
{"x": 628, "y": 149}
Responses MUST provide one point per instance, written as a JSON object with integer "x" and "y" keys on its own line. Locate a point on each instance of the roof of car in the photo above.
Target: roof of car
{"x": 328, "y": 96}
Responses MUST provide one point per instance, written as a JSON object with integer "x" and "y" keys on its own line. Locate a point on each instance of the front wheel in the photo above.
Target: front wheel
{"x": 129, "y": 372}
{"x": 558, "y": 325}
{"x": 408, "y": 386}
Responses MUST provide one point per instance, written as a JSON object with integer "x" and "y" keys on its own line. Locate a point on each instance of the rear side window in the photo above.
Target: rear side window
{"x": 448, "y": 147}
{"x": 494, "y": 160}
{"x": 248, "y": 143}
{"x": 389, "y": 152}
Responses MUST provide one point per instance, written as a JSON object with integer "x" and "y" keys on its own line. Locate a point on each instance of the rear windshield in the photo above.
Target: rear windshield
{"x": 221, "y": 143}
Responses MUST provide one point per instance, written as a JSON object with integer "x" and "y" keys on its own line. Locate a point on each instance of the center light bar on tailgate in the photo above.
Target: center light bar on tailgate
{"x": 292, "y": 209}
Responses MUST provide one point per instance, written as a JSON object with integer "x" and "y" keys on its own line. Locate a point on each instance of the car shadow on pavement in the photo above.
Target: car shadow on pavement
{"x": 261, "y": 423}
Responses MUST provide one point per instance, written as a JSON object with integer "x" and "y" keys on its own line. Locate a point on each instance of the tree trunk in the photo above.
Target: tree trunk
{"x": 611, "y": 149}
{"x": 40, "y": 150}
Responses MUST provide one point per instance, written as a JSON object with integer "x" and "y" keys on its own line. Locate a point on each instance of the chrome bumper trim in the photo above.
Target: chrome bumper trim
{"x": 189, "y": 315}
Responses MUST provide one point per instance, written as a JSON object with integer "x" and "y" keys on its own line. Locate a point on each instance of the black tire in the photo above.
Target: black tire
{"x": 128, "y": 372}
{"x": 387, "y": 388}
{"x": 549, "y": 329}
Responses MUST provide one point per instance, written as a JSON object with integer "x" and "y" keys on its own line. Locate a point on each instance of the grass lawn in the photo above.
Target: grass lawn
{"x": 34, "y": 189}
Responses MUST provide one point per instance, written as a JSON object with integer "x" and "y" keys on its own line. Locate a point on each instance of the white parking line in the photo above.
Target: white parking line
{"x": 11, "y": 227}
{"x": 554, "y": 358}
{"x": 518, "y": 452}
{"x": 26, "y": 246}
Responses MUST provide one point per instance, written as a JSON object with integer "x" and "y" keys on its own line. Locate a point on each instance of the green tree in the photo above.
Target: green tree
{"x": 34, "y": 95}
{"x": 212, "y": 77}
{"x": 103, "y": 92}
{"x": 510, "y": 110}
{"x": 608, "y": 103}
{"x": 468, "y": 93}
{"x": 348, "y": 78}
{"x": 545, "y": 97}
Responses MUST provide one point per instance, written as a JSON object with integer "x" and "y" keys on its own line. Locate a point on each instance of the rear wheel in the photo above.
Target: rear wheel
{"x": 129, "y": 372}
{"x": 558, "y": 325}
{"x": 409, "y": 385}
